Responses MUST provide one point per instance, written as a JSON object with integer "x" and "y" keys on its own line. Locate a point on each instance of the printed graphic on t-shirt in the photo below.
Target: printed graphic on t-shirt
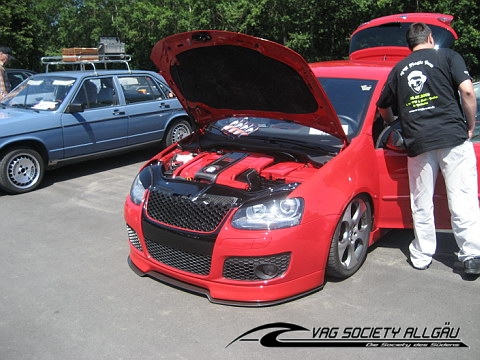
{"x": 421, "y": 99}
{"x": 416, "y": 79}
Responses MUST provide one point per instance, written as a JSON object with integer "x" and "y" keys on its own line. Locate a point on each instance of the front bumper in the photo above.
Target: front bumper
{"x": 224, "y": 266}
{"x": 259, "y": 292}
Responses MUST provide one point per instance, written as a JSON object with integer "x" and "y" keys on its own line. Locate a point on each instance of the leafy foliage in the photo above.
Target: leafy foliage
{"x": 317, "y": 29}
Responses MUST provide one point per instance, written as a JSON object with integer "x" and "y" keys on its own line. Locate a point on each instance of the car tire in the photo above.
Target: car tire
{"x": 348, "y": 249}
{"x": 21, "y": 170}
{"x": 176, "y": 131}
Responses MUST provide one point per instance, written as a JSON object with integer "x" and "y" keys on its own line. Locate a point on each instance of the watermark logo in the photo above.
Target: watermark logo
{"x": 283, "y": 335}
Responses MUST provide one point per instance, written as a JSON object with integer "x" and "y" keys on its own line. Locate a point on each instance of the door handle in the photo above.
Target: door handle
{"x": 164, "y": 106}
{"x": 118, "y": 112}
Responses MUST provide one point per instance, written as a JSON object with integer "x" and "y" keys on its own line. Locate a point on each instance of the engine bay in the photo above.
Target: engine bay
{"x": 237, "y": 169}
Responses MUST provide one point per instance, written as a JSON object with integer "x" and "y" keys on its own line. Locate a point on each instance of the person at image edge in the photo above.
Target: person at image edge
{"x": 431, "y": 91}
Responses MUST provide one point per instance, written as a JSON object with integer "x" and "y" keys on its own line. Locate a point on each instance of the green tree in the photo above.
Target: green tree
{"x": 317, "y": 29}
{"x": 17, "y": 29}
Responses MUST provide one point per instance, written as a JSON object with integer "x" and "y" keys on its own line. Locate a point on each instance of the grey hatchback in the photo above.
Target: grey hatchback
{"x": 69, "y": 116}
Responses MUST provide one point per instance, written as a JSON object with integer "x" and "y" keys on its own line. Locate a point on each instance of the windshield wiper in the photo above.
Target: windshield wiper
{"x": 24, "y": 106}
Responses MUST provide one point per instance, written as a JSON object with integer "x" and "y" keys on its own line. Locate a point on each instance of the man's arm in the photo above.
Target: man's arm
{"x": 386, "y": 114}
{"x": 469, "y": 104}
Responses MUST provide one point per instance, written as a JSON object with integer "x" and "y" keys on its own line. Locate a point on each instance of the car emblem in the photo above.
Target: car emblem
{"x": 211, "y": 169}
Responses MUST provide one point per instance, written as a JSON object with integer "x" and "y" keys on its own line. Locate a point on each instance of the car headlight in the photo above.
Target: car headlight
{"x": 272, "y": 214}
{"x": 141, "y": 183}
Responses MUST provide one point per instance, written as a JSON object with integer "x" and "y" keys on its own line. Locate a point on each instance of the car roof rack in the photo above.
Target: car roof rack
{"x": 87, "y": 60}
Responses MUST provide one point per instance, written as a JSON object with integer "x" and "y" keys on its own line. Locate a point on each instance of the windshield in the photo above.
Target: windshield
{"x": 350, "y": 99}
{"x": 40, "y": 93}
{"x": 393, "y": 34}
{"x": 281, "y": 134}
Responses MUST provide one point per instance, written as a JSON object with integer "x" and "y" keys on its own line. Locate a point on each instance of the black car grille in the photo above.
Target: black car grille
{"x": 193, "y": 263}
{"x": 244, "y": 268}
{"x": 204, "y": 214}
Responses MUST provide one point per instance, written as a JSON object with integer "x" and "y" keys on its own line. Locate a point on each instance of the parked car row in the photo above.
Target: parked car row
{"x": 291, "y": 176}
{"x": 56, "y": 118}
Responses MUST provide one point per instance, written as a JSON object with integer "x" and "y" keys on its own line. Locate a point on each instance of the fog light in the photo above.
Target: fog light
{"x": 266, "y": 271}
{"x": 253, "y": 268}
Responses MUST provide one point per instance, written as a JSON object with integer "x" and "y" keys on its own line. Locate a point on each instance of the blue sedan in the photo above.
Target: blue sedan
{"x": 63, "y": 117}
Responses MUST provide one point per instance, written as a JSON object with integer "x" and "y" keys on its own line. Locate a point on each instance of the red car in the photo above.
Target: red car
{"x": 281, "y": 185}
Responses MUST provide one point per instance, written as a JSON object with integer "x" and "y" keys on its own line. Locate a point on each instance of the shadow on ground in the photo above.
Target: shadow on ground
{"x": 68, "y": 172}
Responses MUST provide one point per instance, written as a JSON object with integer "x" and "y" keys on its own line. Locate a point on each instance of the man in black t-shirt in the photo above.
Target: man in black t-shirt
{"x": 434, "y": 96}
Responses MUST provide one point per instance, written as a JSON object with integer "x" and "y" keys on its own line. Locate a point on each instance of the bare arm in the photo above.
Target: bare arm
{"x": 469, "y": 104}
{"x": 386, "y": 114}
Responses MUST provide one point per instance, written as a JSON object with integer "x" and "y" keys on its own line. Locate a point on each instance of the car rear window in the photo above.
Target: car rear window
{"x": 393, "y": 34}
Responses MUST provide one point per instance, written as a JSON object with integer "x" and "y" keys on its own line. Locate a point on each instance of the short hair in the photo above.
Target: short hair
{"x": 417, "y": 34}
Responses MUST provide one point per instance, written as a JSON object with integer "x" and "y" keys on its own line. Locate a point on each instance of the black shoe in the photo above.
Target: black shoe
{"x": 425, "y": 267}
{"x": 472, "y": 266}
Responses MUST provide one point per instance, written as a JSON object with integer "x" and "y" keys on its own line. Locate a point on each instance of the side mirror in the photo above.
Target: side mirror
{"x": 395, "y": 141}
{"x": 74, "y": 108}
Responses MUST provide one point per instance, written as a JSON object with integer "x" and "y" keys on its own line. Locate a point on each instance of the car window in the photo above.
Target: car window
{"x": 97, "y": 92}
{"x": 272, "y": 132}
{"x": 350, "y": 98}
{"x": 15, "y": 78}
{"x": 87, "y": 95}
{"x": 40, "y": 93}
{"x": 107, "y": 94}
{"x": 393, "y": 34}
{"x": 141, "y": 88}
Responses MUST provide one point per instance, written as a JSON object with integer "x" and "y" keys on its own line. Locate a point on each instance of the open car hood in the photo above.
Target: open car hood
{"x": 218, "y": 74}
